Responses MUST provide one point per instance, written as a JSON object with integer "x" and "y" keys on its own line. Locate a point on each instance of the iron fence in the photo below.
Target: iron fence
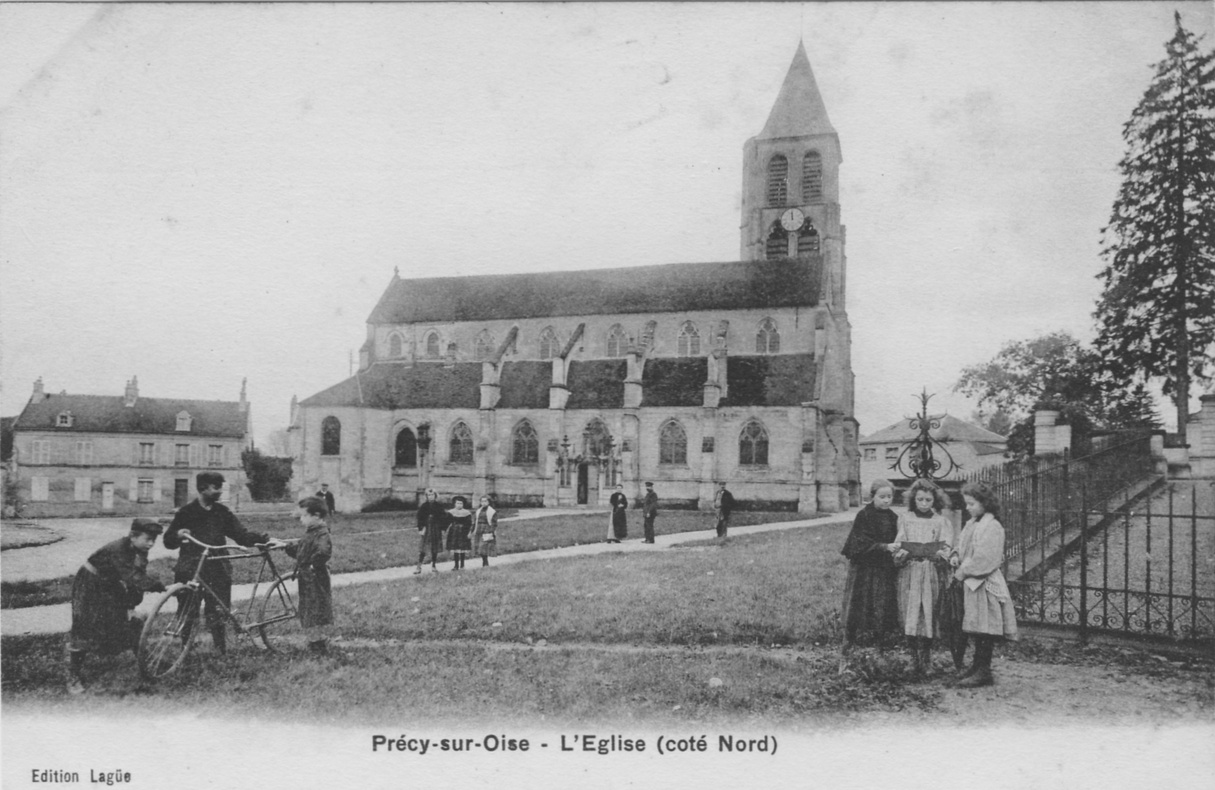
{"x": 1104, "y": 542}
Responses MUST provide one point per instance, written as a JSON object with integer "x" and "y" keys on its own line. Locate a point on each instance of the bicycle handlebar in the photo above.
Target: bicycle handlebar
{"x": 273, "y": 543}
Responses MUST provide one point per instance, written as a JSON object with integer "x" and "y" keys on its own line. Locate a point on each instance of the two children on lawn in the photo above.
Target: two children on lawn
{"x": 908, "y": 574}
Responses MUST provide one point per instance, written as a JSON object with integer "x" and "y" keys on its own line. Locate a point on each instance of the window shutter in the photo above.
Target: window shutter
{"x": 154, "y": 448}
{"x": 133, "y": 491}
{"x": 134, "y": 453}
{"x": 193, "y": 455}
{"x": 156, "y": 490}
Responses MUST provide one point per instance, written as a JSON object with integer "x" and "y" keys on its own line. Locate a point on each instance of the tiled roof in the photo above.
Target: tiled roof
{"x": 641, "y": 289}
{"x": 952, "y": 429}
{"x": 395, "y": 385}
{"x": 779, "y": 380}
{"x": 108, "y": 414}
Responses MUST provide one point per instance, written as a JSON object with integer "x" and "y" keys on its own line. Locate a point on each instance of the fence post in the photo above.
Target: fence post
{"x": 1083, "y": 562}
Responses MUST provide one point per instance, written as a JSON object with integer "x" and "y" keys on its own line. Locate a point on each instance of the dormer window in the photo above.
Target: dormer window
{"x": 64, "y": 420}
{"x": 184, "y": 420}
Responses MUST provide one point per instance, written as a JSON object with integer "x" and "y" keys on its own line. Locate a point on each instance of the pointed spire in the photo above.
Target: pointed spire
{"x": 799, "y": 109}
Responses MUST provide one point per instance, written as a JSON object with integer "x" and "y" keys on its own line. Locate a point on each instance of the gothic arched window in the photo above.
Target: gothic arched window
{"x": 549, "y": 347}
{"x": 331, "y": 436}
{"x": 672, "y": 444}
{"x": 432, "y": 345}
{"x": 807, "y": 240}
{"x": 777, "y": 243}
{"x": 460, "y": 445}
{"x": 407, "y": 449}
{"x": 778, "y": 180}
{"x": 689, "y": 340}
{"x": 394, "y": 346}
{"x": 753, "y": 445}
{"x": 599, "y": 439}
{"x": 524, "y": 444}
{"x": 812, "y": 177}
{"x": 617, "y": 343}
{"x": 767, "y": 339}
{"x": 484, "y": 348}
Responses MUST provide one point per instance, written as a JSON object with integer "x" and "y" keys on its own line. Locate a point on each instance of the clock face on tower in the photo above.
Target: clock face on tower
{"x": 792, "y": 219}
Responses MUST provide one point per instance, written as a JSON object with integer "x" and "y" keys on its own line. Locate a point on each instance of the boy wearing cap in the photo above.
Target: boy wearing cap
{"x": 208, "y": 521}
{"x": 105, "y": 592}
{"x": 649, "y": 509}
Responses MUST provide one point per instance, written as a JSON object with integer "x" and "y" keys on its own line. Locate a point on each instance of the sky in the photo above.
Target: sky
{"x": 198, "y": 194}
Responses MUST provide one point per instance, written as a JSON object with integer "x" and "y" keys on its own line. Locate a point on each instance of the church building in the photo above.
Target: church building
{"x": 550, "y": 388}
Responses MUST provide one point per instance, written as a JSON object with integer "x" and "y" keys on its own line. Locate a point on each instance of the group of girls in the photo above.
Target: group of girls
{"x": 908, "y": 574}
{"x": 458, "y": 530}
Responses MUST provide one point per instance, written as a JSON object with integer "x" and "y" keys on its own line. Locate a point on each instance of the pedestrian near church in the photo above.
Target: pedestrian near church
{"x": 208, "y": 521}
{"x": 618, "y": 520}
{"x": 312, "y": 554}
{"x": 925, "y": 538}
{"x": 327, "y": 496}
{"x": 432, "y": 523}
{"x": 105, "y": 592}
{"x": 649, "y": 511}
{"x": 459, "y": 532}
{"x": 989, "y": 614}
{"x": 871, "y": 610}
{"x": 484, "y": 533}
{"x": 723, "y": 505}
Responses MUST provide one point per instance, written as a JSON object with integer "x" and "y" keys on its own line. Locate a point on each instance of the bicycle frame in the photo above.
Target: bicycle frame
{"x": 242, "y": 619}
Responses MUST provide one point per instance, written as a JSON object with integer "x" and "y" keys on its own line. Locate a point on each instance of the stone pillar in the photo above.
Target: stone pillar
{"x": 632, "y": 379}
{"x": 708, "y": 459}
{"x": 486, "y": 454}
{"x": 807, "y": 495}
{"x": 830, "y": 444}
{"x": 1050, "y": 438}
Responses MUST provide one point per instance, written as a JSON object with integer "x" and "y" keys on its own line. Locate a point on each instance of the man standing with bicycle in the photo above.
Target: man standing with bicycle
{"x": 208, "y": 521}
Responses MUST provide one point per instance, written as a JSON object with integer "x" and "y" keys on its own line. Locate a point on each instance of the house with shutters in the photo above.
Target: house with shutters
{"x": 969, "y": 446}
{"x": 550, "y": 388}
{"x": 84, "y": 455}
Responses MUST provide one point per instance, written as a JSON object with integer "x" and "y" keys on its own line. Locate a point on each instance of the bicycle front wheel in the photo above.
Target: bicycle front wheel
{"x": 278, "y": 621}
{"x": 169, "y": 632}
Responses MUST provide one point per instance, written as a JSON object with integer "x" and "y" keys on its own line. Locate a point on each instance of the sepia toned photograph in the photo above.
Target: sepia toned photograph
{"x": 534, "y": 394}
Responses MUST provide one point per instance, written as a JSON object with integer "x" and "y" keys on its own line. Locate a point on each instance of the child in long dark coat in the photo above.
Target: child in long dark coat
{"x": 312, "y": 553}
{"x": 459, "y": 532}
{"x": 871, "y": 606}
{"x": 105, "y": 592}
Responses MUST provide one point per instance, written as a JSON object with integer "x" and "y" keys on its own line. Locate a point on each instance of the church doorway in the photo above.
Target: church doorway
{"x": 588, "y": 484}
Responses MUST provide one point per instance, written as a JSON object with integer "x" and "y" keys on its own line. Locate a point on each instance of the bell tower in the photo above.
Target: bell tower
{"x": 790, "y": 194}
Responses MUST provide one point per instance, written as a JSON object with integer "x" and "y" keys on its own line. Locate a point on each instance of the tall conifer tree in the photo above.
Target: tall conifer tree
{"x": 1156, "y": 315}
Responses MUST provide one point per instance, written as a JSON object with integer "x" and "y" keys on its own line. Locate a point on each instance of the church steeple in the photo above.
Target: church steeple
{"x": 790, "y": 195}
{"x": 799, "y": 108}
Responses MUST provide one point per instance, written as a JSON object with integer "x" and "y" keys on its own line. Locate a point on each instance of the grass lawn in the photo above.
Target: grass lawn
{"x": 385, "y": 540}
{"x": 673, "y": 635}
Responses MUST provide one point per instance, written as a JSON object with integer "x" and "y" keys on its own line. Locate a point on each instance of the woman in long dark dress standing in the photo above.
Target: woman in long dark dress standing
{"x": 871, "y": 607}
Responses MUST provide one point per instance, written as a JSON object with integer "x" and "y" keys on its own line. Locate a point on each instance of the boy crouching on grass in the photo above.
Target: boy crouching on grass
{"x": 312, "y": 554}
{"x": 105, "y": 592}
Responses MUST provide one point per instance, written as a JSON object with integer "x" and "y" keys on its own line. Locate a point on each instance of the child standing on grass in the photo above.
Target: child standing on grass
{"x": 459, "y": 529}
{"x": 312, "y": 553}
{"x": 925, "y": 541}
{"x": 870, "y": 607}
{"x": 105, "y": 592}
{"x": 432, "y": 520}
{"x": 484, "y": 533}
{"x": 988, "y": 608}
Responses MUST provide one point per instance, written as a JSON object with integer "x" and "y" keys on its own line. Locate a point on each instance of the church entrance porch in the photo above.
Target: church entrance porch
{"x": 588, "y": 483}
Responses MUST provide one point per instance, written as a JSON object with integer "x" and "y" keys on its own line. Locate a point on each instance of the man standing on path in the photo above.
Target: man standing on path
{"x": 208, "y": 521}
{"x": 327, "y": 495}
{"x": 649, "y": 509}
{"x": 723, "y": 503}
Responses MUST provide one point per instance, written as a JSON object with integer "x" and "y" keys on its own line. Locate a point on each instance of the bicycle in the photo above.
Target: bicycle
{"x": 168, "y": 634}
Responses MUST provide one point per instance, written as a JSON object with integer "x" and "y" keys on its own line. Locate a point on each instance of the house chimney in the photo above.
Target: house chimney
{"x": 39, "y": 396}
{"x": 132, "y": 393}
{"x": 244, "y": 404}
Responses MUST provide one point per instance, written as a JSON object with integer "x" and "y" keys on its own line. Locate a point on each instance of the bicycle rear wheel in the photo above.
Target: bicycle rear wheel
{"x": 169, "y": 632}
{"x": 278, "y": 621}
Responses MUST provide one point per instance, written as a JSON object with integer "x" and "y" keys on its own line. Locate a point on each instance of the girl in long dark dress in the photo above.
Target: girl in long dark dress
{"x": 312, "y": 554}
{"x": 871, "y": 608}
{"x": 459, "y": 530}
